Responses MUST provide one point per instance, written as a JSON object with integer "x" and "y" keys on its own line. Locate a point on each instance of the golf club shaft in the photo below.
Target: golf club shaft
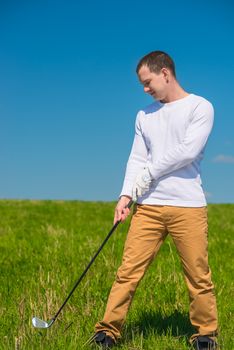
{"x": 90, "y": 263}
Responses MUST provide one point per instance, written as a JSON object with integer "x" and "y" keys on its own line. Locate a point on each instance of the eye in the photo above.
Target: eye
{"x": 146, "y": 83}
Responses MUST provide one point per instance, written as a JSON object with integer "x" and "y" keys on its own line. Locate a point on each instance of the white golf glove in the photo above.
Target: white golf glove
{"x": 142, "y": 184}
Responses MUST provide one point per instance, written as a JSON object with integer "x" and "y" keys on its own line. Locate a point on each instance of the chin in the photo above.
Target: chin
{"x": 161, "y": 99}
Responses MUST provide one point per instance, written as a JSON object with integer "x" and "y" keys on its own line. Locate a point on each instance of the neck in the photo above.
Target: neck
{"x": 175, "y": 92}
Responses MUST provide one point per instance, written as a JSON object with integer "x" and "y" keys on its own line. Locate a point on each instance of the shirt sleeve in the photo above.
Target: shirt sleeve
{"x": 137, "y": 159}
{"x": 195, "y": 139}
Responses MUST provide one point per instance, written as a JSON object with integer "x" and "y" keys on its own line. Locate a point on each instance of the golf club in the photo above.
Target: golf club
{"x": 37, "y": 322}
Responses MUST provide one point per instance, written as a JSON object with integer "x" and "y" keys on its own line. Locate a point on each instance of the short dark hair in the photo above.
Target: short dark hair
{"x": 155, "y": 61}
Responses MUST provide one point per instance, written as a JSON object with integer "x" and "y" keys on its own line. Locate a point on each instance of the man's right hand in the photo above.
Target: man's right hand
{"x": 121, "y": 212}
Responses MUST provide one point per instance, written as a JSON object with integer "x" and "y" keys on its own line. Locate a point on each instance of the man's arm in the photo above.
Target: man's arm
{"x": 195, "y": 140}
{"x": 137, "y": 159}
{"x": 136, "y": 162}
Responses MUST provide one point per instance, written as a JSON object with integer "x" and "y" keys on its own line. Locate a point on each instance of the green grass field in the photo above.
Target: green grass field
{"x": 45, "y": 246}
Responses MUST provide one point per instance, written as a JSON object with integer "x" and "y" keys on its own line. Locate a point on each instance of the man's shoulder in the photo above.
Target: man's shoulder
{"x": 197, "y": 100}
{"x": 192, "y": 103}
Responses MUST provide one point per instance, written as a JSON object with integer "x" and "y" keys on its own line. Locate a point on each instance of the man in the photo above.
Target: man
{"x": 163, "y": 176}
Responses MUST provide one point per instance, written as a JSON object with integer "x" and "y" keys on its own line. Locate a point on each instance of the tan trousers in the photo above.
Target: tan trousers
{"x": 149, "y": 227}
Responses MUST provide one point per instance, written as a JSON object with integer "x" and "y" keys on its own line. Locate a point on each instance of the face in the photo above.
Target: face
{"x": 155, "y": 84}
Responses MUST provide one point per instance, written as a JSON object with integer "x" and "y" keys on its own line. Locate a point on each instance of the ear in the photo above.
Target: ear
{"x": 166, "y": 74}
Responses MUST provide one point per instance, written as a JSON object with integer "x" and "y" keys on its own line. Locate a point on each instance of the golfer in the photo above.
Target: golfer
{"x": 163, "y": 177}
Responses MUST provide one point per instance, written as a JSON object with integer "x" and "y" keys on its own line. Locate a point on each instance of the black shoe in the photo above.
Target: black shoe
{"x": 204, "y": 343}
{"x": 103, "y": 340}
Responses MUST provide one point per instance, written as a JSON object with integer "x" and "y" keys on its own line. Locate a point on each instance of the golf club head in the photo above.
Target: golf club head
{"x": 38, "y": 323}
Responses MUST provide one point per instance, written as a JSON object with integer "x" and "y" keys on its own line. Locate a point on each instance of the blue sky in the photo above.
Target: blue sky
{"x": 69, "y": 93}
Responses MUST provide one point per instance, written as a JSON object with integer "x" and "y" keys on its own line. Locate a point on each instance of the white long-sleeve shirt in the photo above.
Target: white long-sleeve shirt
{"x": 170, "y": 139}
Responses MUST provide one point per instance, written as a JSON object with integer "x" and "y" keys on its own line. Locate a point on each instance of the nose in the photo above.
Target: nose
{"x": 146, "y": 89}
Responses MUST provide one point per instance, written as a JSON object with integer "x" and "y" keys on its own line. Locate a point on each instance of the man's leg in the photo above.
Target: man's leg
{"x": 188, "y": 228}
{"x": 145, "y": 236}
